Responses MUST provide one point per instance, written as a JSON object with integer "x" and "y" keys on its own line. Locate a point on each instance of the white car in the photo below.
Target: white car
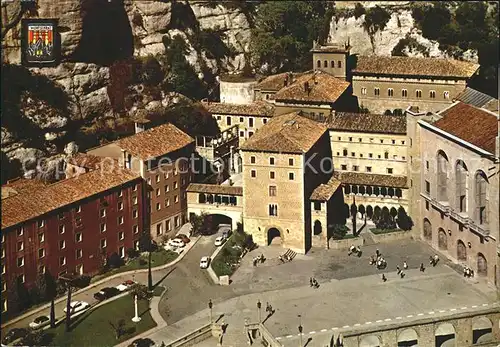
{"x": 39, "y": 322}
{"x": 176, "y": 243}
{"x": 204, "y": 262}
{"x": 220, "y": 240}
{"x": 77, "y": 306}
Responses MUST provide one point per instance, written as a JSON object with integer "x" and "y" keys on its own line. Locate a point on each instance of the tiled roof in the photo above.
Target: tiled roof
{"x": 321, "y": 87}
{"x": 20, "y": 185}
{"x": 276, "y": 82}
{"x": 371, "y": 179}
{"x": 155, "y": 142}
{"x": 474, "y": 97}
{"x": 368, "y": 123}
{"x": 214, "y": 189}
{"x": 331, "y": 48}
{"x": 324, "y": 192}
{"x": 85, "y": 160}
{"x": 471, "y": 124}
{"x": 256, "y": 109}
{"x": 412, "y": 66}
{"x": 288, "y": 133}
{"x": 36, "y": 201}
{"x": 492, "y": 105}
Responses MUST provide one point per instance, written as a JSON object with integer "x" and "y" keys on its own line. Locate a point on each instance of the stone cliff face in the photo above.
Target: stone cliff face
{"x": 129, "y": 28}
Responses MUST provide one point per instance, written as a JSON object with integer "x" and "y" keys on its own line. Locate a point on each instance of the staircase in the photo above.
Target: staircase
{"x": 290, "y": 254}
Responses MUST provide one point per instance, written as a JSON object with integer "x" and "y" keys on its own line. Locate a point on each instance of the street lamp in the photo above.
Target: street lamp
{"x": 259, "y": 305}
{"x": 300, "y": 330}
{"x": 210, "y": 305}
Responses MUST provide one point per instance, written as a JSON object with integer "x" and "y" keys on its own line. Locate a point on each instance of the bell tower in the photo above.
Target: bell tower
{"x": 331, "y": 58}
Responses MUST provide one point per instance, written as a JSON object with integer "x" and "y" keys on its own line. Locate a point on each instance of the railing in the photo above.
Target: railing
{"x": 193, "y": 337}
{"x": 483, "y": 230}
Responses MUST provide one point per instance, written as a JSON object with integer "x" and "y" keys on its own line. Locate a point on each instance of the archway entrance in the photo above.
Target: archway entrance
{"x": 408, "y": 338}
{"x": 482, "y": 265}
{"x": 427, "y": 230}
{"x": 273, "y": 237}
{"x": 370, "y": 341}
{"x": 442, "y": 240}
{"x": 481, "y": 330}
{"x": 212, "y": 222}
{"x": 317, "y": 227}
{"x": 461, "y": 251}
{"x": 445, "y": 335}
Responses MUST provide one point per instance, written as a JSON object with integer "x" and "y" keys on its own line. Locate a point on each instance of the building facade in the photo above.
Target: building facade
{"x": 389, "y": 83}
{"x": 331, "y": 58}
{"x": 163, "y": 157}
{"x": 68, "y": 227}
{"x": 458, "y": 206}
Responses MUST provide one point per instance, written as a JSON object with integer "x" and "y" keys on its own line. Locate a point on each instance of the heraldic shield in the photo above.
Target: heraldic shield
{"x": 40, "y": 43}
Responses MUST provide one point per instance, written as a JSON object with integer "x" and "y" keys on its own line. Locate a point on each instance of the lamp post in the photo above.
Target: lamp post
{"x": 150, "y": 277}
{"x": 136, "y": 318}
{"x": 210, "y": 305}
{"x": 300, "y": 330}
{"x": 259, "y": 305}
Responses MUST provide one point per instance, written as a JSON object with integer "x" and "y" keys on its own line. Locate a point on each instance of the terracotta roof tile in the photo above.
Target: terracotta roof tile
{"x": 471, "y": 124}
{"x": 35, "y": 201}
{"x": 256, "y": 109}
{"x": 85, "y": 160}
{"x": 324, "y": 192}
{"x": 214, "y": 189}
{"x": 276, "y": 82}
{"x": 288, "y": 133}
{"x": 368, "y": 123}
{"x": 155, "y": 142}
{"x": 20, "y": 185}
{"x": 321, "y": 87}
{"x": 371, "y": 179}
{"x": 412, "y": 66}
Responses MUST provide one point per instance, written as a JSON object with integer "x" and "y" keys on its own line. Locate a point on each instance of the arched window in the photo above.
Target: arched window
{"x": 318, "y": 63}
{"x": 442, "y": 176}
{"x": 418, "y": 93}
{"x": 404, "y": 93}
{"x": 376, "y": 91}
{"x": 427, "y": 230}
{"x": 325, "y": 63}
{"x": 339, "y": 64}
{"x": 347, "y": 189}
{"x": 461, "y": 186}
{"x": 480, "y": 201}
{"x": 390, "y": 92}
{"x": 332, "y": 64}
{"x": 432, "y": 94}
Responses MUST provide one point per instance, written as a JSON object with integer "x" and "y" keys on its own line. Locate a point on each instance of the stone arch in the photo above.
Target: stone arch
{"x": 482, "y": 265}
{"x": 362, "y": 210}
{"x": 369, "y": 211}
{"x": 210, "y": 198}
{"x": 393, "y": 212}
{"x": 480, "y": 197}
{"x": 362, "y": 190}
{"x": 407, "y": 337}
{"x": 444, "y": 335}
{"x": 442, "y": 239}
{"x": 391, "y": 192}
{"x": 461, "y": 251}
{"x": 353, "y": 210}
{"x": 317, "y": 227}
{"x": 383, "y": 191}
{"x": 427, "y": 230}
{"x": 377, "y": 212}
{"x": 216, "y": 219}
{"x": 355, "y": 189}
{"x": 370, "y": 341}
{"x": 369, "y": 190}
{"x": 385, "y": 210}
{"x": 274, "y": 236}
{"x": 461, "y": 186}
{"x": 442, "y": 175}
{"x": 482, "y": 329}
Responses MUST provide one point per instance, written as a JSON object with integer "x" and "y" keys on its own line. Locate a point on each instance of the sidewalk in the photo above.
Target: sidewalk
{"x": 86, "y": 294}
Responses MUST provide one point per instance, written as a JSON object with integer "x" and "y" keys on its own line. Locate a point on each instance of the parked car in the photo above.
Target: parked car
{"x": 128, "y": 283}
{"x": 14, "y": 334}
{"x": 39, "y": 322}
{"x": 204, "y": 262}
{"x": 220, "y": 240}
{"x": 225, "y": 230}
{"x": 183, "y": 237}
{"x": 78, "y": 306}
{"x": 176, "y": 243}
{"x": 142, "y": 343}
{"x": 106, "y": 293}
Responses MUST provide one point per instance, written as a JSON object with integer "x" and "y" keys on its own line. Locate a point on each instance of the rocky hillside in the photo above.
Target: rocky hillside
{"x": 94, "y": 35}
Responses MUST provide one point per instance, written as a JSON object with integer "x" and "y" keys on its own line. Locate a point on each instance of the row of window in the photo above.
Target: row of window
{"x": 370, "y": 155}
{"x": 272, "y": 161}
{"x": 404, "y": 93}
{"x": 370, "y": 190}
{"x": 272, "y": 175}
{"x": 332, "y": 64}
{"x": 251, "y": 124}
{"x": 166, "y": 175}
{"x": 167, "y": 202}
{"x": 242, "y": 133}
{"x": 159, "y": 226}
{"x": 217, "y": 199}
{"x": 355, "y": 168}
{"x": 339, "y": 138}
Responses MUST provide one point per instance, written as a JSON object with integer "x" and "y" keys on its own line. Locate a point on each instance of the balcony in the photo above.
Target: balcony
{"x": 443, "y": 206}
{"x": 483, "y": 230}
{"x": 460, "y": 217}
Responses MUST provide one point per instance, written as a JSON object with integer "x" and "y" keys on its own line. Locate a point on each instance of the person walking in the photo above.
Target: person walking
{"x": 405, "y": 265}
{"x": 422, "y": 268}
{"x": 399, "y": 270}
{"x": 311, "y": 281}
{"x": 402, "y": 274}
{"x": 384, "y": 278}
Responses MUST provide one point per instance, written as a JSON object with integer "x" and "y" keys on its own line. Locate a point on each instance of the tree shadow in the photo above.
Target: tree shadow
{"x": 163, "y": 278}
{"x": 144, "y": 312}
{"x": 308, "y": 340}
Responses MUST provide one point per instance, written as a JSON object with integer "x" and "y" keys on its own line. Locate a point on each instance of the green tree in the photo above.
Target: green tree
{"x": 34, "y": 338}
{"x": 141, "y": 291}
{"x": 198, "y": 222}
{"x": 285, "y": 30}
{"x": 404, "y": 221}
{"x": 118, "y": 328}
{"x": 376, "y": 19}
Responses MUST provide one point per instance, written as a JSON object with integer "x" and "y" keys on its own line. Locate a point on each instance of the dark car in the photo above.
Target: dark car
{"x": 106, "y": 293}
{"x": 183, "y": 237}
{"x": 14, "y": 334}
{"x": 142, "y": 343}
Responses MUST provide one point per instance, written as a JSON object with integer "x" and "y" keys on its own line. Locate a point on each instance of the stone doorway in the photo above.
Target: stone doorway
{"x": 273, "y": 236}
{"x": 442, "y": 240}
{"x": 461, "y": 251}
{"x": 482, "y": 265}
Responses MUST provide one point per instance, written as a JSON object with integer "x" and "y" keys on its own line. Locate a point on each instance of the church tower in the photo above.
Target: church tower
{"x": 331, "y": 58}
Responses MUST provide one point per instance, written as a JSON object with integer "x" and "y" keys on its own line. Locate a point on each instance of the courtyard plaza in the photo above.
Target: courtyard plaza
{"x": 351, "y": 293}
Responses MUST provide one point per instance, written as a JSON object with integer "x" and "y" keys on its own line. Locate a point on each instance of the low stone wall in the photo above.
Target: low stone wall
{"x": 211, "y": 271}
{"x": 346, "y": 243}
{"x": 193, "y": 337}
{"x": 394, "y": 236}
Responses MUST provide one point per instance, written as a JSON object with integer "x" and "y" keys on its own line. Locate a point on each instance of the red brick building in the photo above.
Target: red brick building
{"x": 71, "y": 226}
